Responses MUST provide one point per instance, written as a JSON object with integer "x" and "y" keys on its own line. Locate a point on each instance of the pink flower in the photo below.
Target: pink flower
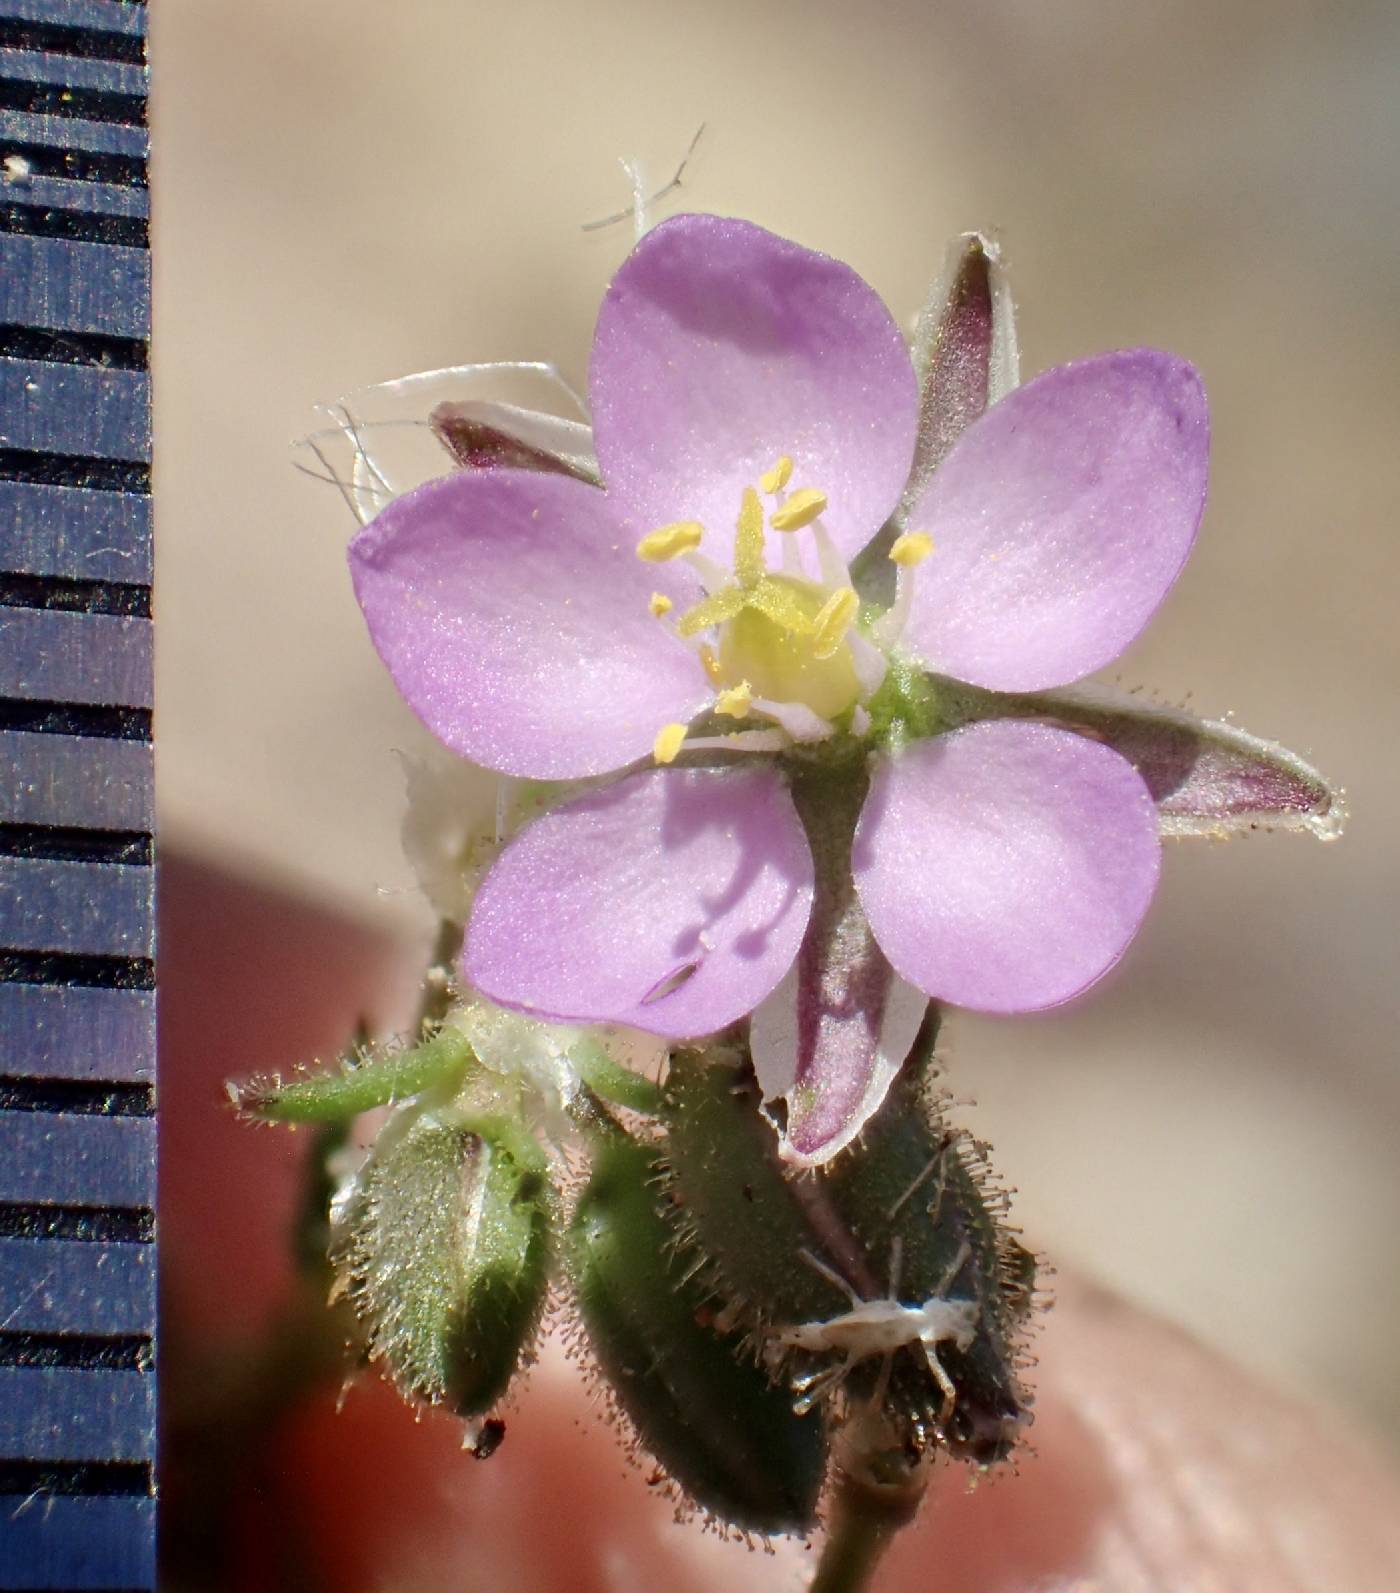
{"x": 848, "y": 813}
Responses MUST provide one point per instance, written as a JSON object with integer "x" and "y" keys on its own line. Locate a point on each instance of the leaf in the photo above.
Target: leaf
{"x": 363, "y": 1082}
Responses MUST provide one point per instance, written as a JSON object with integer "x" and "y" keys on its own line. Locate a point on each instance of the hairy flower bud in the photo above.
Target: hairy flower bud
{"x": 444, "y": 1250}
{"x": 727, "y": 1437}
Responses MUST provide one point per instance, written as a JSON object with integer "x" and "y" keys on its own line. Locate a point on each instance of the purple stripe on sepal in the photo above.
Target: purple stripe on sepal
{"x": 1206, "y": 776}
{"x": 833, "y": 1035}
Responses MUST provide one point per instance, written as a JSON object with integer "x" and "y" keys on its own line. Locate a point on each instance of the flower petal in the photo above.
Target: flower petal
{"x": 513, "y": 616}
{"x": 720, "y": 348}
{"x": 1006, "y": 866}
{"x": 1060, "y": 520}
{"x": 673, "y": 901}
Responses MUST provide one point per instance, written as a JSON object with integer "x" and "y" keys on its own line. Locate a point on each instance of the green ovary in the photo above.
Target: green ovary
{"x": 779, "y": 662}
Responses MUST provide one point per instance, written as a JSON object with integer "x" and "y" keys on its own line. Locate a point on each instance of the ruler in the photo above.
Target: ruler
{"x": 77, "y": 975}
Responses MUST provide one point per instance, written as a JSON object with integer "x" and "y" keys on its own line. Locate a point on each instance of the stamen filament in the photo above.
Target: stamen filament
{"x": 712, "y": 575}
{"x": 800, "y": 722}
{"x": 887, "y": 630}
{"x": 741, "y": 741}
{"x": 832, "y": 566}
{"x": 869, "y": 663}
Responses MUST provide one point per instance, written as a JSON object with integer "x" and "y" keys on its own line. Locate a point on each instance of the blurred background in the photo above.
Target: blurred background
{"x": 348, "y": 191}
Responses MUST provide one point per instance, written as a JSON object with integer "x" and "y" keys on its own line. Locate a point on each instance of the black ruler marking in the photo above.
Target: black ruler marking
{"x": 75, "y": 596}
{"x": 80, "y": 1224}
{"x": 70, "y": 719}
{"x": 74, "y": 844}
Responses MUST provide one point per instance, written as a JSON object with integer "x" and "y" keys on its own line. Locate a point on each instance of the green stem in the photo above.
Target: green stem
{"x": 862, "y": 1530}
{"x": 865, "y": 1516}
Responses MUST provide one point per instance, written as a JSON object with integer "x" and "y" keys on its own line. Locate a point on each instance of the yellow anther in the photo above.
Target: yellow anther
{"x": 710, "y": 664}
{"x": 801, "y": 509}
{"x": 668, "y": 743}
{"x": 736, "y": 701}
{"x": 833, "y": 621}
{"x": 777, "y": 478}
{"x": 660, "y": 604}
{"x": 748, "y": 543}
{"x": 911, "y": 549}
{"x": 670, "y": 541}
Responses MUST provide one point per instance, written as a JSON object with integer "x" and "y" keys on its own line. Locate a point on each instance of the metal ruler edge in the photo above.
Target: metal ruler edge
{"x": 77, "y": 927}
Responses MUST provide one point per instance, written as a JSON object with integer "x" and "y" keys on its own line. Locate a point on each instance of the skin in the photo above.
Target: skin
{"x": 1156, "y": 1465}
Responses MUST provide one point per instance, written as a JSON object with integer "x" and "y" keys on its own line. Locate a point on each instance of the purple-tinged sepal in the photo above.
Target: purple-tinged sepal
{"x": 965, "y": 351}
{"x": 1207, "y": 776}
{"x": 830, "y": 1039}
{"x": 385, "y": 440}
{"x": 966, "y": 359}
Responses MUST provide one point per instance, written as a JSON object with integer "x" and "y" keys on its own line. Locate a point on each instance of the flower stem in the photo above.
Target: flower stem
{"x": 864, "y": 1521}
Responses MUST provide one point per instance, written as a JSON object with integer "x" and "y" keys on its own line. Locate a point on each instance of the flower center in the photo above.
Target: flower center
{"x": 785, "y": 645}
{"x": 785, "y": 663}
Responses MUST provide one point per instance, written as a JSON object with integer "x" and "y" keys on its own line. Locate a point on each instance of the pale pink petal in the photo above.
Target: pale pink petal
{"x": 720, "y": 347}
{"x": 673, "y": 901}
{"x": 512, "y": 614}
{"x": 1060, "y": 520}
{"x": 1007, "y": 865}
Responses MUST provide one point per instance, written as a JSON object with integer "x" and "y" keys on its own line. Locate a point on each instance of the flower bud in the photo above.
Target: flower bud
{"x": 727, "y": 1437}
{"x": 888, "y": 1275}
{"x": 444, "y": 1250}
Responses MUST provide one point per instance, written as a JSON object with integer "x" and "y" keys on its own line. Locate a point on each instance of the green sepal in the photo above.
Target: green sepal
{"x": 363, "y": 1082}
{"x": 738, "y": 1207}
{"x": 613, "y": 1082}
{"x": 906, "y": 1196}
{"x": 445, "y": 1252}
{"x": 925, "y": 1185}
{"x": 724, "y": 1434}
